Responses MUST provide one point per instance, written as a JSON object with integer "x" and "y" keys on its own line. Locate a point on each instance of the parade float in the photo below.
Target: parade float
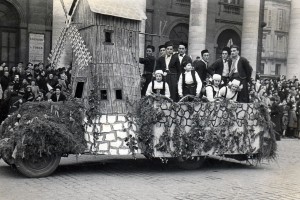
{"x": 105, "y": 114}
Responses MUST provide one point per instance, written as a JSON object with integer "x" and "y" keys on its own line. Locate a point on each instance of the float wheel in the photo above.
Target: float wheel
{"x": 36, "y": 167}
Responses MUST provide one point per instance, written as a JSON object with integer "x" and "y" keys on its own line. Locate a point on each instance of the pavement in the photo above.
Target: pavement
{"x": 109, "y": 177}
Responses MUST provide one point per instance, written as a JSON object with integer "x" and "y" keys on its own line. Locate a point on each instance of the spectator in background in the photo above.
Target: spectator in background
{"x": 276, "y": 116}
{"x": 58, "y": 95}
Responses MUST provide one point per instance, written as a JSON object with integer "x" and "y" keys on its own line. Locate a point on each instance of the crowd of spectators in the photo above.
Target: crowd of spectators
{"x": 282, "y": 97}
{"x": 33, "y": 82}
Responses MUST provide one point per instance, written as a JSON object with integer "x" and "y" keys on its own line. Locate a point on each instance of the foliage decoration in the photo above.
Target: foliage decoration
{"x": 196, "y": 128}
{"x": 40, "y": 128}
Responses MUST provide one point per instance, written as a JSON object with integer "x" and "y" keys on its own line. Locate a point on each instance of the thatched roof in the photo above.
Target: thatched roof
{"x": 129, "y": 9}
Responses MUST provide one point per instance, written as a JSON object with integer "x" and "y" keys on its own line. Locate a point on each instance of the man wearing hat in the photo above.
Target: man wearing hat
{"x": 201, "y": 66}
{"x": 158, "y": 86}
{"x": 222, "y": 66}
{"x": 240, "y": 70}
{"x": 58, "y": 96}
{"x": 170, "y": 65}
{"x": 149, "y": 63}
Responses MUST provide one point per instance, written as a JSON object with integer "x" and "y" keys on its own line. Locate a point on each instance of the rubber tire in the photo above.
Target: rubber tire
{"x": 40, "y": 167}
{"x": 9, "y": 162}
{"x": 190, "y": 164}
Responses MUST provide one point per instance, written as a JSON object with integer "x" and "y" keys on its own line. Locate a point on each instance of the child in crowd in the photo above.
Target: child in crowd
{"x": 189, "y": 82}
{"x": 158, "y": 86}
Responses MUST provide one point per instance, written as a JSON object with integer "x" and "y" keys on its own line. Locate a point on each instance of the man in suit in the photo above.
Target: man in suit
{"x": 201, "y": 66}
{"x": 149, "y": 63}
{"x": 183, "y": 58}
{"x": 170, "y": 65}
{"x": 240, "y": 70}
{"x": 58, "y": 96}
{"x": 222, "y": 66}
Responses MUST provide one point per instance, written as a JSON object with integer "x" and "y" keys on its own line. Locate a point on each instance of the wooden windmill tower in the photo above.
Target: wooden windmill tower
{"x": 105, "y": 42}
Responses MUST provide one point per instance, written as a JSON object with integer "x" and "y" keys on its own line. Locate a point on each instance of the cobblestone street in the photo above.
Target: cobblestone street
{"x": 102, "y": 177}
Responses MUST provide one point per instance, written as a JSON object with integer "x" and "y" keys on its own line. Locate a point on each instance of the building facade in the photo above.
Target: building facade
{"x": 25, "y": 31}
{"x": 275, "y": 37}
{"x": 170, "y": 20}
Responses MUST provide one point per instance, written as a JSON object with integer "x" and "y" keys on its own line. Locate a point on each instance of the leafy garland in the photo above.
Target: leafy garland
{"x": 199, "y": 139}
{"x": 40, "y": 128}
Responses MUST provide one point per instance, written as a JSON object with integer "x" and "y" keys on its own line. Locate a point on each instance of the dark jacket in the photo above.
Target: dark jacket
{"x": 174, "y": 65}
{"x": 218, "y": 66}
{"x": 201, "y": 69}
{"x": 62, "y": 97}
{"x": 244, "y": 69}
{"x": 149, "y": 63}
{"x": 185, "y": 59}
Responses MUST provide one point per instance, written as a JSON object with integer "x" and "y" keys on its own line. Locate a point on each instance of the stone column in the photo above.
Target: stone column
{"x": 197, "y": 29}
{"x": 293, "y": 58}
{"x": 250, "y": 32}
{"x": 142, "y": 35}
{"x": 58, "y": 23}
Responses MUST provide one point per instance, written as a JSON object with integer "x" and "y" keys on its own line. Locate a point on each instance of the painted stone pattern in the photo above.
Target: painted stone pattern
{"x": 107, "y": 135}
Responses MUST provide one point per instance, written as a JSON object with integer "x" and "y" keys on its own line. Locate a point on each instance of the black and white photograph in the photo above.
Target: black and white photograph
{"x": 149, "y": 99}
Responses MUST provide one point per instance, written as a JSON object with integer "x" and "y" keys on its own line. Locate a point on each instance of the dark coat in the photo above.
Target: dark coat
{"x": 218, "y": 66}
{"x": 201, "y": 69}
{"x": 276, "y": 117}
{"x": 174, "y": 65}
{"x": 62, "y": 97}
{"x": 172, "y": 75}
{"x": 185, "y": 59}
{"x": 149, "y": 63}
{"x": 244, "y": 69}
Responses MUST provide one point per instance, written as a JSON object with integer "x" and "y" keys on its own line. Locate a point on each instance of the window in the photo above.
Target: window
{"x": 108, "y": 37}
{"x": 79, "y": 89}
{"x": 119, "y": 94}
{"x": 280, "y": 19}
{"x": 103, "y": 94}
{"x": 277, "y": 69}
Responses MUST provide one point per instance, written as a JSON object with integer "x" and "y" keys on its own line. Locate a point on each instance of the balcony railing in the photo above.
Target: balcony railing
{"x": 229, "y": 8}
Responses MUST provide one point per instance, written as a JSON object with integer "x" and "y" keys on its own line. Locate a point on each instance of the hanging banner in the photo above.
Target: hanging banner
{"x": 36, "y": 48}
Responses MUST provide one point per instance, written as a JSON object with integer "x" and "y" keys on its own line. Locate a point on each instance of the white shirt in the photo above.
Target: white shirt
{"x": 229, "y": 95}
{"x": 167, "y": 61}
{"x": 210, "y": 93}
{"x": 181, "y": 57}
{"x": 158, "y": 86}
{"x": 225, "y": 69}
{"x": 189, "y": 80}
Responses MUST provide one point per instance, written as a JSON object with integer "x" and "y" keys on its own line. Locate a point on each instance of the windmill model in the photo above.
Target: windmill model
{"x": 83, "y": 57}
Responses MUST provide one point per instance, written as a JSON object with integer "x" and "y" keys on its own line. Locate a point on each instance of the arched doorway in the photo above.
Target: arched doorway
{"x": 179, "y": 34}
{"x": 9, "y": 33}
{"x": 227, "y": 38}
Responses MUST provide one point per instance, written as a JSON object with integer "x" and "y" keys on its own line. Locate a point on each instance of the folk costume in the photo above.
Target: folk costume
{"x": 189, "y": 84}
{"x": 158, "y": 87}
{"x": 170, "y": 65}
{"x": 212, "y": 91}
{"x": 227, "y": 93}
